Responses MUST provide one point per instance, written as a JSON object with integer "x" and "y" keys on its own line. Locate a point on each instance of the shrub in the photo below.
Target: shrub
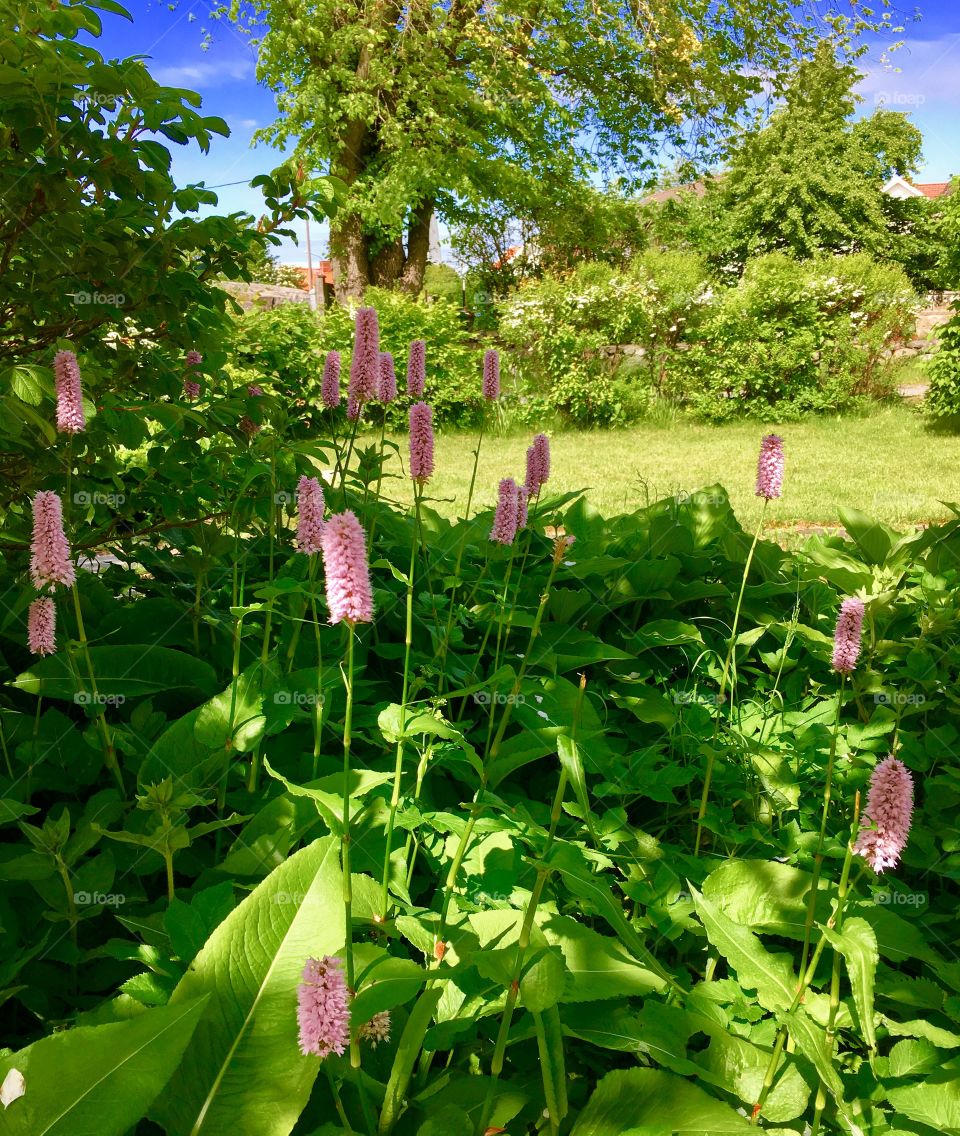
{"x": 288, "y": 345}
{"x": 943, "y": 398}
{"x": 797, "y": 336}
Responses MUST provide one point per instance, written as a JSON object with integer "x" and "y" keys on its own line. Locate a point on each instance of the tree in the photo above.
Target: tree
{"x": 420, "y": 108}
{"x": 811, "y": 180}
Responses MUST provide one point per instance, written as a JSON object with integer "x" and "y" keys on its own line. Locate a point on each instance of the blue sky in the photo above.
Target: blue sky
{"x": 923, "y": 78}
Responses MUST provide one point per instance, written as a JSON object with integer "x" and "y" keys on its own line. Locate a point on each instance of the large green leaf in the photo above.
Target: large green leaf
{"x": 629, "y": 1099}
{"x": 598, "y": 966}
{"x": 770, "y": 975}
{"x": 130, "y": 672}
{"x": 858, "y": 945}
{"x": 933, "y": 1103}
{"x": 98, "y": 1080}
{"x": 243, "y": 1074}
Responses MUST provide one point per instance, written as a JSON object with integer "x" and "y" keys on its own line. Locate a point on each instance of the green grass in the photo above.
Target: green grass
{"x": 887, "y": 464}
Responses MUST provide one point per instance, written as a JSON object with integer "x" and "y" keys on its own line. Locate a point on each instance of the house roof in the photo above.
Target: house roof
{"x": 934, "y": 188}
{"x": 671, "y": 193}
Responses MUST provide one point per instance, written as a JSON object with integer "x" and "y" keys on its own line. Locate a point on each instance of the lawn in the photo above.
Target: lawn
{"x": 887, "y": 464}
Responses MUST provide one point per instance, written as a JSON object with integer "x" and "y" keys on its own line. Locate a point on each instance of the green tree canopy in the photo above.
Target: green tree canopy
{"x": 811, "y": 180}
{"x": 450, "y": 106}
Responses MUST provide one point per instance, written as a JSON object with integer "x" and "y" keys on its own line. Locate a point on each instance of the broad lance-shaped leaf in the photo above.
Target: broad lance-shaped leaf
{"x": 97, "y": 1080}
{"x": 133, "y": 671}
{"x": 243, "y": 1074}
{"x": 858, "y": 945}
{"x": 770, "y": 975}
{"x": 638, "y": 1099}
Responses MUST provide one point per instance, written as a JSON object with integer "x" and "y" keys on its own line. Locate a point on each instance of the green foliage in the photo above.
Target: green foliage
{"x": 508, "y": 107}
{"x": 811, "y": 180}
{"x": 442, "y": 282}
{"x": 288, "y": 344}
{"x": 799, "y": 336}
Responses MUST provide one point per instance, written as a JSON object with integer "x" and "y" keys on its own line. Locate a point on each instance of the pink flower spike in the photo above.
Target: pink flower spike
{"x": 310, "y": 506}
{"x": 42, "y": 626}
{"x": 508, "y": 512}
{"x": 538, "y": 465}
{"x": 70, "y": 416}
{"x": 353, "y": 407}
{"x": 846, "y": 639}
{"x": 50, "y": 562}
{"x": 330, "y": 386}
{"x": 249, "y": 427}
{"x": 253, "y": 391}
{"x": 885, "y": 824}
{"x": 194, "y": 358}
{"x": 421, "y": 442}
{"x": 387, "y": 378}
{"x": 365, "y": 362}
{"x": 417, "y": 369}
{"x": 349, "y": 596}
{"x": 523, "y": 502}
{"x": 491, "y": 375}
{"x": 323, "y": 1010}
{"x": 770, "y": 467}
{"x": 191, "y": 389}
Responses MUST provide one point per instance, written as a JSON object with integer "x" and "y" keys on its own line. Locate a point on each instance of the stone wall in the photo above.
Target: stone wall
{"x": 255, "y": 295}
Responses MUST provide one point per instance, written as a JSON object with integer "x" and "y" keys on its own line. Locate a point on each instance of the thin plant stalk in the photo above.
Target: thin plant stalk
{"x": 109, "y": 753}
{"x": 398, "y": 768}
{"x": 727, "y": 663}
{"x": 827, "y": 796}
{"x": 345, "y": 854}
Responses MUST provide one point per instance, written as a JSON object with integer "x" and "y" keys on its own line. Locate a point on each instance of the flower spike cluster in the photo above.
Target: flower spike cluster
{"x": 42, "y": 626}
{"x": 885, "y": 824}
{"x": 50, "y": 562}
{"x": 491, "y": 375}
{"x": 330, "y": 384}
{"x": 70, "y": 416}
{"x": 417, "y": 369}
{"x": 323, "y": 1010}
{"x": 846, "y": 639}
{"x": 309, "y": 515}
{"x": 191, "y": 388}
{"x": 349, "y": 595}
{"x": 770, "y": 467}
{"x": 421, "y": 442}
{"x": 507, "y": 517}
{"x": 538, "y": 465}
{"x": 386, "y": 378}
{"x": 365, "y": 363}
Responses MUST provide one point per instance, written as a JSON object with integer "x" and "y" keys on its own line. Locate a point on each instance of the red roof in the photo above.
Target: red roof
{"x": 933, "y": 188}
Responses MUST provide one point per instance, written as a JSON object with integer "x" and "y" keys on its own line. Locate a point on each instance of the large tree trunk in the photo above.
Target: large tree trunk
{"x": 351, "y": 265}
{"x": 418, "y": 248}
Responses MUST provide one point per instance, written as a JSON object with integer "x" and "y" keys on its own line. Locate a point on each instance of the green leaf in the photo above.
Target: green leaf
{"x": 128, "y": 672}
{"x": 598, "y": 966}
{"x": 858, "y": 945}
{"x": 408, "y": 1049}
{"x": 552, "y": 1065}
{"x": 933, "y": 1103}
{"x": 98, "y": 1080}
{"x": 243, "y": 1074}
{"x": 628, "y": 1098}
{"x": 910, "y": 1057}
{"x": 770, "y": 975}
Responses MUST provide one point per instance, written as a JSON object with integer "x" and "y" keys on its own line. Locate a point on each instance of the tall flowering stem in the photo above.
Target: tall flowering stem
{"x": 109, "y": 752}
{"x": 70, "y": 416}
{"x": 350, "y": 601}
{"x": 846, "y": 651}
{"x": 407, "y": 644}
{"x": 769, "y": 486}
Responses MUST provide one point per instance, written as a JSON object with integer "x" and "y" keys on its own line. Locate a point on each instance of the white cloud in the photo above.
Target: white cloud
{"x": 919, "y": 73}
{"x": 204, "y": 74}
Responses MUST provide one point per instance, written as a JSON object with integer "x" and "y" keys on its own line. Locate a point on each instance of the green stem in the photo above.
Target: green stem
{"x": 728, "y": 661}
{"x": 347, "y": 882}
{"x": 818, "y": 858}
{"x": 398, "y": 768}
{"x": 109, "y": 753}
